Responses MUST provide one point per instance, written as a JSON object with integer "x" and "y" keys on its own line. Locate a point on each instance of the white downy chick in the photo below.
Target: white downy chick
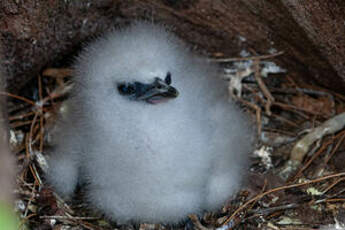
{"x": 149, "y": 130}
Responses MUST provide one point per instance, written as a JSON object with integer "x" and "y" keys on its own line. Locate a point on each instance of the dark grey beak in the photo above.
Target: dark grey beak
{"x": 156, "y": 92}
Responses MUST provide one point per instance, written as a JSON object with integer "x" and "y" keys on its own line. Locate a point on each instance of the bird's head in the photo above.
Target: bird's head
{"x": 143, "y": 63}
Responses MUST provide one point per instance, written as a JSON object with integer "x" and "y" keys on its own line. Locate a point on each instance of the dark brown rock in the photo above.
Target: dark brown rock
{"x": 38, "y": 33}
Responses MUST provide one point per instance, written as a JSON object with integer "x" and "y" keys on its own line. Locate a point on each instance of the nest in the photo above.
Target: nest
{"x": 295, "y": 178}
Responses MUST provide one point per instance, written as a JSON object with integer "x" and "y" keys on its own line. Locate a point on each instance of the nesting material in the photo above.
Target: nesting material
{"x": 149, "y": 130}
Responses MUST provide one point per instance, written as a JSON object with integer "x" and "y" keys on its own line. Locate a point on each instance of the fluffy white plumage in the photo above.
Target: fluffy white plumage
{"x": 145, "y": 162}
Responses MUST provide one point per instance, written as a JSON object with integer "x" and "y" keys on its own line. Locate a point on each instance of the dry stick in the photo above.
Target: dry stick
{"x": 267, "y": 211}
{"x": 18, "y": 107}
{"x": 18, "y": 97}
{"x": 67, "y": 209}
{"x": 30, "y": 151}
{"x": 329, "y": 154}
{"x": 60, "y": 91}
{"x": 338, "y": 193}
{"x": 292, "y": 81}
{"x": 55, "y": 94}
{"x": 336, "y": 200}
{"x": 268, "y": 56}
{"x": 307, "y": 164}
{"x": 57, "y": 73}
{"x": 306, "y": 91}
{"x": 31, "y": 133}
{"x": 263, "y": 87}
{"x": 257, "y": 113}
{"x": 32, "y": 167}
{"x": 262, "y": 190}
{"x": 41, "y": 117}
{"x": 69, "y": 218}
{"x": 338, "y": 95}
{"x": 79, "y": 221}
{"x": 20, "y": 117}
{"x": 87, "y": 225}
{"x": 259, "y": 196}
{"x": 335, "y": 148}
{"x": 20, "y": 124}
{"x": 33, "y": 192}
{"x": 287, "y": 121}
{"x": 255, "y": 107}
{"x": 294, "y": 109}
{"x": 27, "y": 157}
{"x": 284, "y": 132}
{"x": 24, "y": 220}
{"x": 21, "y": 180}
{"x": 196, "y": 222}
{"x": 293, "y": 228}
{"x": 36, "y": 175}
{"x": 315, "y": 155}
{"x": 333, "y": 184}
{"x": 28, "y": 101}
{"x": 300, "y": 109}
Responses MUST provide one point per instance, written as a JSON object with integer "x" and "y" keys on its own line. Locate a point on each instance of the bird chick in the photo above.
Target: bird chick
{"x": 149, "y": 130}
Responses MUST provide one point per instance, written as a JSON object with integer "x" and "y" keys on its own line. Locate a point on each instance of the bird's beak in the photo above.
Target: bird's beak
{"x": 158, "y": 92}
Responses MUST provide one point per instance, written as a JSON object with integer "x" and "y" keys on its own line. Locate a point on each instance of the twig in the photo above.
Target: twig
{"x": 268, "y": 56}
{"x": 263, "y": 87}
{"x": 259, "y": 196}
{"x": 57, "y": 73}
{"x": 333, "y": 184}
{"x": 257, "y": 113}
{"x": 335, "y": 148}
{"x": 267, "y": 211}
{"x": 59, "y": 92}
{"x": 296, "y": 110}
{"x": 41, "y": 117}
{"x": 283, "y": 119}
{"x": 20, "y": 124}
{"x": 18, "y": 97}
{"x": 197, "y": 223}
{"x": 31, "y": 133}
{"x": 307, "y": 164}
{"x": 21, "y": 116}
{"x": 330, "y": 126}
{"x": 33, "y": 192}
{"x": 69, "y": 217}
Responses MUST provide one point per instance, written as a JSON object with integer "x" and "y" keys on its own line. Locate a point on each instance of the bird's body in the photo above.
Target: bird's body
{"x": 147, "y": 155}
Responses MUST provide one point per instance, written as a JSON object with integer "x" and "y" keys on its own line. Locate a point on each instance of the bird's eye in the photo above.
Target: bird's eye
{"x": 168, "y": 78}
{"x": 126, "y": 88}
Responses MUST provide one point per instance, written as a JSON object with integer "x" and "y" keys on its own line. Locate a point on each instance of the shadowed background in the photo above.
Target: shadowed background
{"x": 38, "y": 33}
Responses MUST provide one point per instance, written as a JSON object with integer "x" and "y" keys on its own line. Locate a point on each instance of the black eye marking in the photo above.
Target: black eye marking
{"x": 168, "y": 78}
{"x": 126, "y": 88}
